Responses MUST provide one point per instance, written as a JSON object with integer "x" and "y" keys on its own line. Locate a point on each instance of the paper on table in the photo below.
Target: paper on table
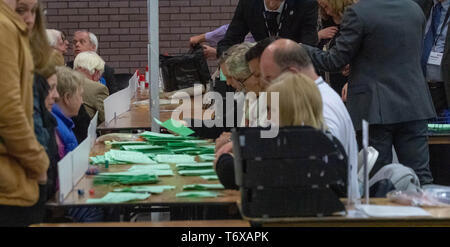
{"x": 130, "y": 157}
{"x": 193, "y": 166}
{"x": 156, "y": 189}
{"x": 150, "y": 167}
{"x": 203, "y": 187}
{"x": 152, "y": 170}
{"x": 198, "y": 194}
{"x": 197, "y": 172}
{"x": 175, "y": 158}
{"x": 119, "y": 197}
{"x": 175, "y": 127}
{"x": 391, "y": 211}
{"x": 210, "y": 177}
{"x": 141, "y": 147}
{"x": 207, "y": 157}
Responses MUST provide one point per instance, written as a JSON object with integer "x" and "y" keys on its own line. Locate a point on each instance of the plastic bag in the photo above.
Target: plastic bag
{"x": 418, "y": 199}
{"x": 184, "y": 71}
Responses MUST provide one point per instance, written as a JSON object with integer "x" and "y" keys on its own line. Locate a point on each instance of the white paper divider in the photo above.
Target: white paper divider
{"x": 120, "y": 102}
{"x": 117, "y": 104}
{"x": 92, "y": 130}
{"x": 65, "y": 176}
{"x": 81, "y": 160}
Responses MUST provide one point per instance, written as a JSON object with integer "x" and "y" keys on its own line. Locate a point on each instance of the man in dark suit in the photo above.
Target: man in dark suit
{"x": 436, "y": 54}
{"x": 382, "y": 41}
{"x": 87, "y": 41}
{"x": 291, "y": 19}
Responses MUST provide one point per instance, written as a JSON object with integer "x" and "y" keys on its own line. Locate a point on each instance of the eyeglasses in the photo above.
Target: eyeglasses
{"x": 243, "y": 81}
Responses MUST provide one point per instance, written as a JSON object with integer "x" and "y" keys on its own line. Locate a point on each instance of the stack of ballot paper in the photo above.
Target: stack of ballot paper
{"x": 154, "y": 189}
{"x": 195, "y": 166}
{"x": 129, "y": 177}
{"x": 203, "y": 187}
{"x": 122, "y": 157}
{"x": 162, "y": 170}
{"x": 175, "y": 126}
{"x": 119, "y": 197}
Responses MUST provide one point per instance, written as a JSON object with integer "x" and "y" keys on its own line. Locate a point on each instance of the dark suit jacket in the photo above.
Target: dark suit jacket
{"x": 382, "y": 41}
{"x": 426, "y": 6}
{"x": 300, "y": 23}
{"x": 108, "y": 74}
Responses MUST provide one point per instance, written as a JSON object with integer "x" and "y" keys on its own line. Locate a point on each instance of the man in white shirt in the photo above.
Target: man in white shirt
{"x": 286, "y": 55}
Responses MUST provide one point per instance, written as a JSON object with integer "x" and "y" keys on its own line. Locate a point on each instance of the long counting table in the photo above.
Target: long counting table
{"x": 225, "y": 203}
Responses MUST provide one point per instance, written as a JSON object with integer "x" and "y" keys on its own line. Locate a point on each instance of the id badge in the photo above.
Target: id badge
{"x": 435, "y": 58}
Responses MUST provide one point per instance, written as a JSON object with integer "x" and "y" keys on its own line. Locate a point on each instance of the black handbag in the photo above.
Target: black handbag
{"x": 179, "y": 72}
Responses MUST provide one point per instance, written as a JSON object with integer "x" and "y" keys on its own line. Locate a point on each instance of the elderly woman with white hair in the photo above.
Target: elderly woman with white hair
{"x": 57, "y": 40}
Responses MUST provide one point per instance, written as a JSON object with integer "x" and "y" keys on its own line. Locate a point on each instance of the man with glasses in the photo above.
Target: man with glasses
{"x": 87, "y": 41}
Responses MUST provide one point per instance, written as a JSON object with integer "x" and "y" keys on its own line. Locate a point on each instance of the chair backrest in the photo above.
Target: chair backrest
{"x": 301, "y": 172}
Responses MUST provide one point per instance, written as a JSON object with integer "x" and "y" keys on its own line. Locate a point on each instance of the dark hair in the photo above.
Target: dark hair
{"x": 257, "y": 50}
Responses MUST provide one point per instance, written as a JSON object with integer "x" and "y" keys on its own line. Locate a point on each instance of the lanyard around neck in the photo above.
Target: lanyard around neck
{"x": 281, "y": 21}
{"x": 445, "y": 23}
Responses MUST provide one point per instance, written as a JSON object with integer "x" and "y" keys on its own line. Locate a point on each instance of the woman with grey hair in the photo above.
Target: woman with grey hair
{"x": 57, "y": 40}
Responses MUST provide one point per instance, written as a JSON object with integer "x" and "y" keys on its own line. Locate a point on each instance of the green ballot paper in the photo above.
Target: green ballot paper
{"x": 119, "y": 197}
{"x": 439, "y": 127}
{"x": 176, "y": 127}
{"x": 134, "y": 177}
{"x": 210, "y": 177}
{"x": 203, "y": 187}
{"x": 155, "y": 189}
{"x": 197, "y": 172}
{"x": 175, "y": 158}
{"x": 199, "y": 194}
{"x": 195, "y": 166}
{"x": 130, "y": 157}
{"x": 207, "y": 157}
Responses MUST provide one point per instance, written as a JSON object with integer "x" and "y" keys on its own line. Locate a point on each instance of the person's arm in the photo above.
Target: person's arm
{"x": 16, "y": 132}
{"x": 237, "y": 30}
{"x": 216, "y": 35}
{"x": 347, "y": 45}
{"x": 225, "y": 171}
{"x": 309, "y": 26}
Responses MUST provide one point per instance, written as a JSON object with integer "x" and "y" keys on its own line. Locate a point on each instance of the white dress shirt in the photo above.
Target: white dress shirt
{"x": 340, "y": 125}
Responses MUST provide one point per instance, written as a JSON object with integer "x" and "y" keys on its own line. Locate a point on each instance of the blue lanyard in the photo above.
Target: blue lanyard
{"x": 445, "y": 23}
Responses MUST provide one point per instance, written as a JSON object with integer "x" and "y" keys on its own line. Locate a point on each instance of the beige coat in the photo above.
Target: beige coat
{"x": 94, "y": 95}
{"x": 22, "y": 158}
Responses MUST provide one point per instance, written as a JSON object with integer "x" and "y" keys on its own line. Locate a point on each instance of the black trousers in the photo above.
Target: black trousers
{"x": 15, "y": 216}
{"x": 410, "y": 141}
{"x": 437, "y": 91}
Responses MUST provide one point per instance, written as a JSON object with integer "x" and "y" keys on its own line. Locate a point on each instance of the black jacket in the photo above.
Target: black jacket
{"x": 382, "y": 41}
{"x": 45, "y": 124}
{"x": 108, "y": 74}
{"x": 299, "y": 23}
{"x": 426, "y": 6}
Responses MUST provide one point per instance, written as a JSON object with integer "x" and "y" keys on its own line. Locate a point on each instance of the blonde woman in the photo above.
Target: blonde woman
{"x": 330, "y": 14}
{"x": 300, "y": 102}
